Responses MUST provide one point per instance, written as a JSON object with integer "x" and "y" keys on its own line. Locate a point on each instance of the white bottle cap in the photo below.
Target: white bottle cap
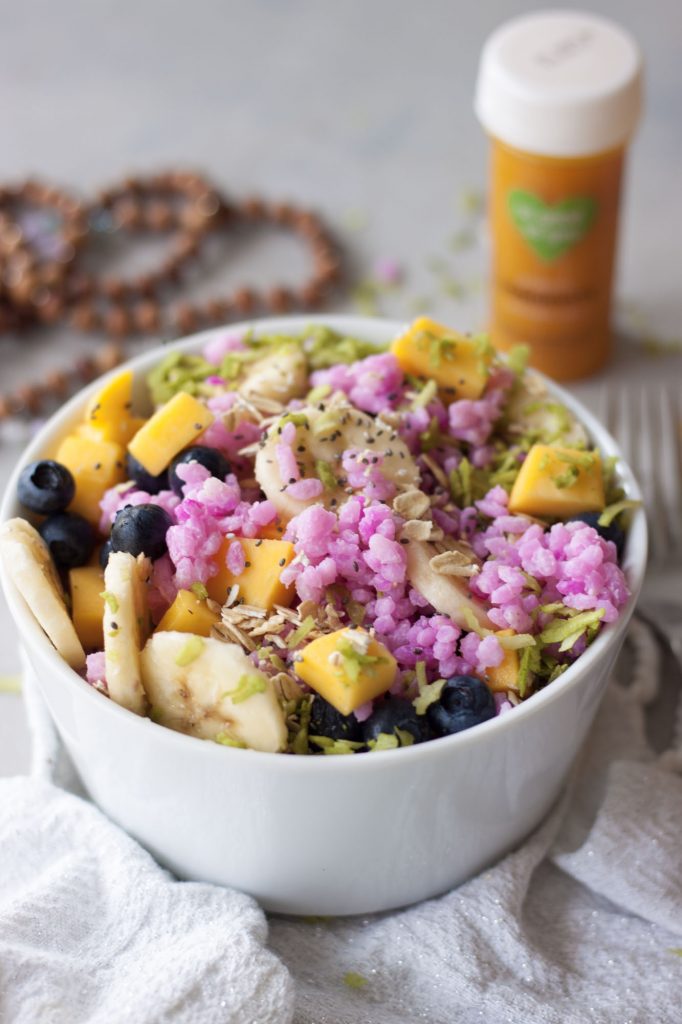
{"x": 560, "y": 83}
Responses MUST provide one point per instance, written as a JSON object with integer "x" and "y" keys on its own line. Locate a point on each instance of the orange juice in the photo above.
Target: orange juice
{"x": 559, "y": 94}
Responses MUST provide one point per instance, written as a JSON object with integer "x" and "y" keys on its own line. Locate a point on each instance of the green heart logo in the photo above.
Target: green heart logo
{"x": 551, "y": 228}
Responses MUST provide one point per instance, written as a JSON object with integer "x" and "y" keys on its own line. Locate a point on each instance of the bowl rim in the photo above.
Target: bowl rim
{"x": 378, "y": 330}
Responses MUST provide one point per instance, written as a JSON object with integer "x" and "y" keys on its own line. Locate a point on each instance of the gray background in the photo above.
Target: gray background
{"x": 360, "y": 109}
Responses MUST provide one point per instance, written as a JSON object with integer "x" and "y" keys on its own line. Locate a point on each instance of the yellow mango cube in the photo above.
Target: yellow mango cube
{"x": 188, "y": 614}
{"x": 109, "y": 411}
{"x": 96, "y": 465}
{"x": 259, "y": 583}
{"x": 558, "y": 483}
{"x": 456, "y": 363}
{"x": 347, "y": 668}
{"x": 504, "y": 676}
{"x": 99, "y": 433}
{"x": 172, "y": 427}
{"x": 87, "y": 605}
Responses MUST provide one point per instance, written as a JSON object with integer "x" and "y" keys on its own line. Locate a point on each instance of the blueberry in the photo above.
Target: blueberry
{"x": 104, "y": 553}
{"x": 70, "y": 538}
{"x": 214, "y": 461}
{"x": 464, "y": 701}
{"x": 612, "y": 532}
{"x": 325, "y": 720}
{"x": 141, "y": 529}
{"x": 144, "y": 480}
{"x": 45, "y": 487}
{"x": 395, "y": 713}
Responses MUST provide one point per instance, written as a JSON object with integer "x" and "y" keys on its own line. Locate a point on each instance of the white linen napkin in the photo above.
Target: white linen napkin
{"x": 583, "y": 923}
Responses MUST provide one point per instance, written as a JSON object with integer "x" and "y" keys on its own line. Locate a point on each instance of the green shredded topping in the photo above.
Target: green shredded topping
{"x": 325, "y": 347}
{"x": 517, "y": 360}
{"x": 199, "y": 590}
{"x": 429, "y": 693}
{"x": 10, "y": 684}
{"x": 299, "y": 419}
{"x": 420, "y": 672}
{"x": 330, "y": 746}
{"x": 110, "y": 600}
{"x": 226, "y": 740}
{"x": 529, "y": 664}
{"x": 566, "y": 479}
{"x": 384, "y": 741}
{"x": 277, "y": 662}
{"x": 190, "y": 651}
{"x": 611, "y": 512}
{"x": 440, "y": 347}
{"x": 178, "y": 372}
{"x": 354, "y": 661}
{"x": 484, "y": 351}
{"x": 301, "y": 633}
{"x": 426, "y": 394}
{"x": 299, "y": 741}
{"x": 558, "y": 632}
{"x": 355, "y": 980}
{"x": 517, "y": 642}
{"x": 325, "y": 473}
{"x": 249, "y": 685}
{"x": 319, "y": 393}
{"x": 356, "y": 612}
{"x": 676, "y": 950}
{"x": 432, "y": 437}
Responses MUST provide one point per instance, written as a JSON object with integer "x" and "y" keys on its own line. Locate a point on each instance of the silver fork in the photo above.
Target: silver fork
{"x": 647, "y": 423}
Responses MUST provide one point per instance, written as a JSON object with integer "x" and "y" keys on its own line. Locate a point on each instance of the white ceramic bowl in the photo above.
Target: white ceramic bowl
{"x": 325, "y": 835}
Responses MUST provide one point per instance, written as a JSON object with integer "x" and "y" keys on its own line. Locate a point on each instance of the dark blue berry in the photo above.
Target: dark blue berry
{"x": 144, "y": 480}
{"x": 394, "y": 713}
{"x": 611, "y": 532}
{"x": 45, "y": 487}
{"x": 70, "y": 538}
{"x": 104, "y": 553}
{"x": 141, "y": 529}
{"x": 213, "y": 460}
{"x": 464, "y": 701}
{"x": 325, "y": 720}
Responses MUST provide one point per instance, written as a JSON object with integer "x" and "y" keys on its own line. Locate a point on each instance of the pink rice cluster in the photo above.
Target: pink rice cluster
{"x": 527, "y": 566}
{"x": 357, "y": 547}
{"x": 373, "y": 384}
{"x": 364, "y": 473}
{"x": 473, "y": 420}
{"x": 216, "y": 349}
{"x": 210, "y": 510}
{"x": 119, "y": 497}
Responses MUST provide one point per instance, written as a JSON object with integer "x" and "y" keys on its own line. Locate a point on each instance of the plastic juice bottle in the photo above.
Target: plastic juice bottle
{"x": 559, "y": 93}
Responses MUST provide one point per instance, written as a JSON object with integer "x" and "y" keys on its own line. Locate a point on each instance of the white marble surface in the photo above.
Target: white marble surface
{"x": 362, "y": 109}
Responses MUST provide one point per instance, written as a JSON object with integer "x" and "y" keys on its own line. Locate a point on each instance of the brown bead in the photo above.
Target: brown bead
{"x": 186, "y": 318}
{"x": 127, "y": 214}
{"x": 252, "y": 208}
{"x": 109, "y": 357}
{"x": 283, "y": 213}
{"x": 192, "y": 218}
{"x": 8, "y": 406}
{"x": 56, "y": 382}
{"x": 312, "y": 294}
{"x": 279, "y": 299}
{"x": 51, "y": 310}
{"x": 114, "y": 288}
{"x": 159, "y": 215}
{"x": 187, "y": 248}
{"x": 117, "y": 322}
{"x": 217, "y": 310}
{"x": 85, "y": 316}
{"x": 29, "y": 398}
{"x": 244, "y": 300}
{"x": 86, "y": 368}
{"x": 146, "y": 316}
{"x": 308, "y": 224}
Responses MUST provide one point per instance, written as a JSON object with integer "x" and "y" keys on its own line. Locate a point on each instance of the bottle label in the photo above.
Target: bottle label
{"x": 551, "y": 229}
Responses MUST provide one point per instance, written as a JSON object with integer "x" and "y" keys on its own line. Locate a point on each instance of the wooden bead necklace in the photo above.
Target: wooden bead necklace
{"x": 44, "y": 277}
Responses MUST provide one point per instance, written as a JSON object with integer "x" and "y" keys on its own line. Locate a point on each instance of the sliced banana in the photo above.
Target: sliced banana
{"x": 323, "y": 434}
{"x": 281, "y": 376}
{"x": 29, "y": 565}
{"x": 207, "y": 688}
{"x": 126, "y": 617}
{"x": 449, "y": 595}
{"x": 533, "y": 410}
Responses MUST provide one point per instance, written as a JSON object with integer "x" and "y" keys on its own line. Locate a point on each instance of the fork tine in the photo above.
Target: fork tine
{"x": 670, "y": 465}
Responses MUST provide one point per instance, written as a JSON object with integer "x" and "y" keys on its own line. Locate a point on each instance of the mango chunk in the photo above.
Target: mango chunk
{"x": 504, "y": 676}
{"x": 172, "y": 427}
{"x": 274, "y": 530}
{"x": 109, "y": 409}
{"x": 558, "y": 483}
{"x": 87, "y": 605}
{"x": 128, "y": 430}
{"x": 259, "y": 583}
{"x": 96, "y": 466}
{"x": 459, "y": 365}
{"x": 347, "y": 668}
{"x": 188, "y": 614}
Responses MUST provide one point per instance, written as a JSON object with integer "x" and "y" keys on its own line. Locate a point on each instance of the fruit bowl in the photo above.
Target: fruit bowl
{"x": 325, "y": 835}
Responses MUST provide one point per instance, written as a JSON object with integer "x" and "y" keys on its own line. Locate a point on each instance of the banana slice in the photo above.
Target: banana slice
{"x": 322, "y": 436}
{"x": 281, "y": 376}
{"x": 126, "y": 616}
{"x": 28, "y": 563}
{"x": 449, "y": 595}
{"x": 207, "y": 688}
